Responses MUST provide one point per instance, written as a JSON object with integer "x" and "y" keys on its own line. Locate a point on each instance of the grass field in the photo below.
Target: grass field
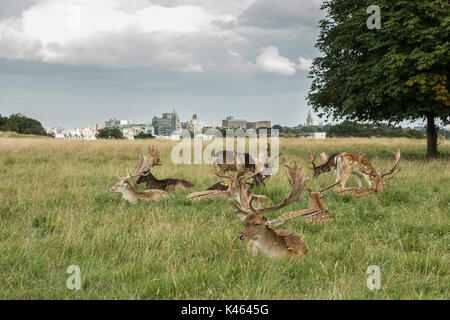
{"x": 55, "y": 211}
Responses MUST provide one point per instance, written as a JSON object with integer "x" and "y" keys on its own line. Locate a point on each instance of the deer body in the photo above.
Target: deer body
{"x": 129, "y": 194}
{"x": 271, "y": 243}
{"x": 351, "y": 162}
{"x": 378, "y": 179}
{"x": 344, "y": 164}
{"x": 165, "y": 184}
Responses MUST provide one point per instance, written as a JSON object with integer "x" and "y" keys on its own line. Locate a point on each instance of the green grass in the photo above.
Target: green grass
{"x": 55, "y": 211}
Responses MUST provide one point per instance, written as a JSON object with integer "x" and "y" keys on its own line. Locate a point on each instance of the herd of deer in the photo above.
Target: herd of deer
{"x": 244, "y": 173}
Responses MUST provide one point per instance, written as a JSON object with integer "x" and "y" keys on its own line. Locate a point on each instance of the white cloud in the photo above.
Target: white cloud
{"x": 304, "y": 64}
{"x": 182, "y": 35}
{"x": 269, "y": 60}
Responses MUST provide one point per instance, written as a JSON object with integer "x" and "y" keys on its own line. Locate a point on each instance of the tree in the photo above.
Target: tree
{"x": 142, "y": 135}
{"x": 109, "y": 133}
{"x": 395, "y": 73}
{"x": 3, "y": 123}
{"x": 22, "y": 124}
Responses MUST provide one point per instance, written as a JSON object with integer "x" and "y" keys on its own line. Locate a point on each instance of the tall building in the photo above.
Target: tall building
{"x": 309, "y": 119}
{"x": 167, "y": 125}
{"x": 194, "y": 125}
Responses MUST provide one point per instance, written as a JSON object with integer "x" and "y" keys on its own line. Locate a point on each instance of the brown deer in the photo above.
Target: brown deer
{"x": 259, "y": 230}
{"x": 344, "y": 164}
{"x": 128, "y": 193}
{"x": 165, "y": 184}
{"x": 238, "y": 189}
{"x": 227, "y": 161}
{"x": 317, "y": 212}
{"x": 377, "y": 179}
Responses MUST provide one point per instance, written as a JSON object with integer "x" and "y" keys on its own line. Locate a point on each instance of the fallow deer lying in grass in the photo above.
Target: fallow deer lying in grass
{"x": 258, "y": 229}
{"x": 317, "y": 212}
{"x": 228, "y": 161}
{"x": 344, "y": 164}
{"x": 128, "y": 193}
{"x": 378, "y": 180}
{"x": 238, "y": 188}
{"x": 165, "y": 184}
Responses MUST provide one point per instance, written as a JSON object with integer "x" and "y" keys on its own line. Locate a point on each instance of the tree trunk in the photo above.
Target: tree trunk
{"x": 431, "y": 137}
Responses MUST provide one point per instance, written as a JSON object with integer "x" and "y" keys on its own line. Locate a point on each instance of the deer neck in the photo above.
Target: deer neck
{"x": 316, "y": 202}
{"x": 130, "y": 194}
{"x": 151, "y": 178}
{"x": 267, "y": 241}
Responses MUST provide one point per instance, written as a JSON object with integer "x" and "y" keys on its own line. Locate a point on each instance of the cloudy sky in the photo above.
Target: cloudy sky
{"x": 78, "y": 62}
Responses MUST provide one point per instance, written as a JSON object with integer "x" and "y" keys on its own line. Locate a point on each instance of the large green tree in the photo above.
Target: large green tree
{"x": 22, "y": 124}
{"x": 395, "y": 73}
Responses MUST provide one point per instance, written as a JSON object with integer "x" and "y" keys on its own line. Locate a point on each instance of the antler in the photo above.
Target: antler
{"x": 312, "y": 157}
{"x": 154, "y": 157}
{"x": 259, "y": 167}
{"x": 330, "y": 186}
{"x": 394, "y": 169}
{"x": 296, "y": 176}
{"x": 214, "y": 170}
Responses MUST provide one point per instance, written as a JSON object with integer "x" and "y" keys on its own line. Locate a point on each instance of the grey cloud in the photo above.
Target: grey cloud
{"x": 282, "y": 13}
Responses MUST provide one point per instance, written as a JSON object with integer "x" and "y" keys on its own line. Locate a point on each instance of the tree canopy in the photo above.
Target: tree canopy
{"x": 21, "y": 124}
{"x": 395, "y": 73}
{"x": 109, "y": 133}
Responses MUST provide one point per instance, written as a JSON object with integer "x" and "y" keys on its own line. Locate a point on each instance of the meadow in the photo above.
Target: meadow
{"x": 55, "y": 211}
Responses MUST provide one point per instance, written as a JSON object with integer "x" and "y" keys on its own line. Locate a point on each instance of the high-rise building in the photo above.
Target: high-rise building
{"x": 309, "y": 119}
{"x": 167, "y": 125}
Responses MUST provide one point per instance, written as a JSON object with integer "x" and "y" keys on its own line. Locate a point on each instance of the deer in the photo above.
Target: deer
{"x": 237, "y": 186}
{"x": 224, "y": 162}
{"x": 344, "y": 164}
{"x": 259, "y": 229}
{"x": 317, "y": 211}
{"x": 378, "y": 180}
{"x": 165, "y": 184}
{"x": 131, "y": 195}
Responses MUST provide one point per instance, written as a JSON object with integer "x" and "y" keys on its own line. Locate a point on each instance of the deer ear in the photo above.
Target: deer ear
{"x": 243, "y": 218}
{"x": 274, "y": 223}
{"x": 324, "y": 157}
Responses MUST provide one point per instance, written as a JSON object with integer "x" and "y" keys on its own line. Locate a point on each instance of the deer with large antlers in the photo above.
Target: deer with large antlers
{"x": 259, "y": 230}
{"x": 128, "y": 193}
{"x": 345, "y": 164}
{"x": 153, "y": 182}
{"x": 238, "y": 188}
{"x": 379, "y": 181}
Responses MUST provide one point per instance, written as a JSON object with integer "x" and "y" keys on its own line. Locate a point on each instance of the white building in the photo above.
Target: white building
{"x": 317, "y": 135}
{"x": 130, "y": 130}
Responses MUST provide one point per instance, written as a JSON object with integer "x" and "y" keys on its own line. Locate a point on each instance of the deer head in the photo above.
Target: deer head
{"x": 254, "y": 224}
{"x": 379, "y": 180}
{"x": 320, "y": 168}
{"x": 123, "y": 184}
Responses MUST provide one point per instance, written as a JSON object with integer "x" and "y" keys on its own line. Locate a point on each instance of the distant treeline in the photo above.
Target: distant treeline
{"x": 354, "y": 129}
{"x": 22, "y": 124}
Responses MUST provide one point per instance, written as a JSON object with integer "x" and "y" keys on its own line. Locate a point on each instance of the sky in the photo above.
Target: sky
{"x": 77, "y": 62}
